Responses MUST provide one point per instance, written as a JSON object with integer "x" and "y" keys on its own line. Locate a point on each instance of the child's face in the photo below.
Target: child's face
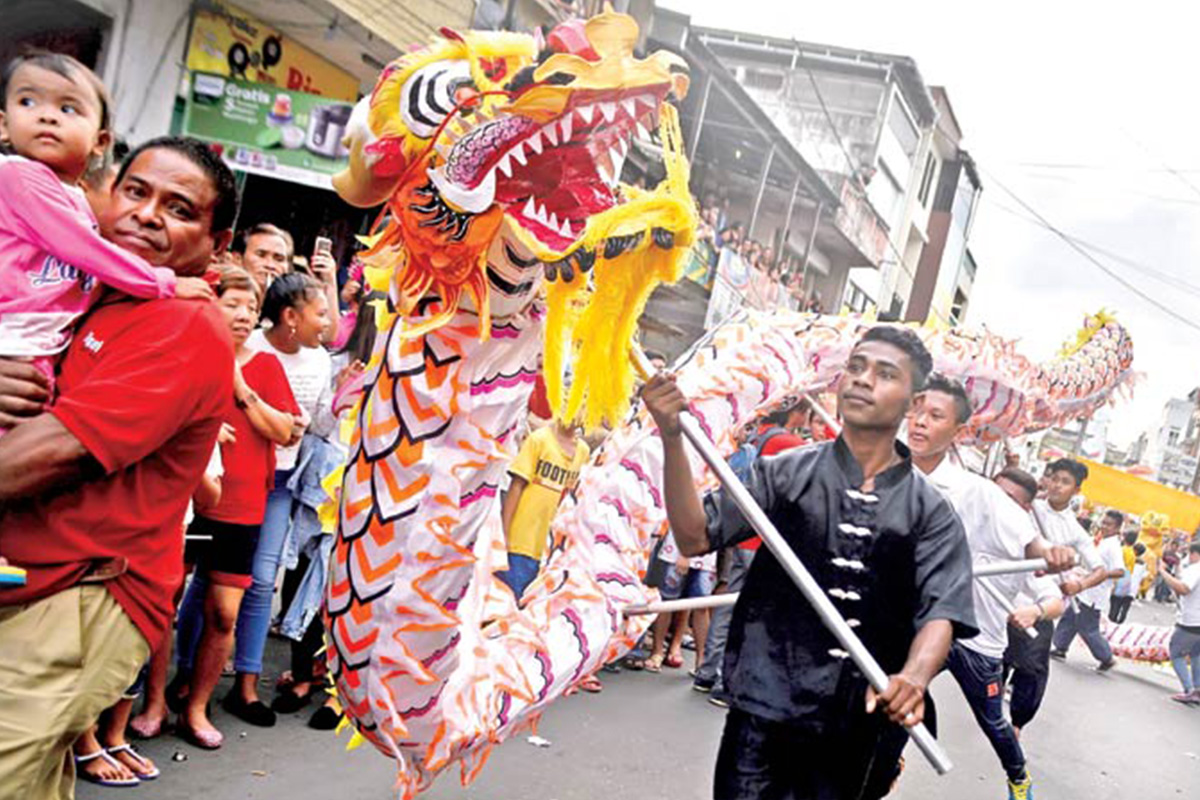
{"x": 53, "y": 120}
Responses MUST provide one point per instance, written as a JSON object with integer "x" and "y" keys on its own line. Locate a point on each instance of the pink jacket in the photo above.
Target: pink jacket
{"x": 53, "y": 261}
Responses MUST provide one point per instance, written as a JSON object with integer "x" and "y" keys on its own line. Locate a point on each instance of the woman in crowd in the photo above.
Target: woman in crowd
{"x": 298, "y": 686}
{"x": 296, "y": 315}
{"x": 264, "y": 417}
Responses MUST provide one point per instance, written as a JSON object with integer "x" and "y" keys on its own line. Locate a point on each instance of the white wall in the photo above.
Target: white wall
{"x": 143, "y": 62}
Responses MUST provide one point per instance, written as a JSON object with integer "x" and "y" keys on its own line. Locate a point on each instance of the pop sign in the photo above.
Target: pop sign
{"x": 229, "y": 42}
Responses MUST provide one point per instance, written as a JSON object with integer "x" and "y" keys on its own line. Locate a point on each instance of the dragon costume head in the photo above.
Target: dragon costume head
{"x": 495, "y": 152}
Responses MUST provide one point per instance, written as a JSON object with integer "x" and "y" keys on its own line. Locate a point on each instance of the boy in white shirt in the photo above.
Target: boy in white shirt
{"x": 1185, "y": 642}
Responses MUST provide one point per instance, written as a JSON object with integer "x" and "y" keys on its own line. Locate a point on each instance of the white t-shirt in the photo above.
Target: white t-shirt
{"x": 309, "y": 373}
{"x": 215, "y": 469}
{"x": 1189, "y": 605}
{"x": 997, "y": 530}
{"x": 1062, "y": 528}
{"x": 1110, "y": 553}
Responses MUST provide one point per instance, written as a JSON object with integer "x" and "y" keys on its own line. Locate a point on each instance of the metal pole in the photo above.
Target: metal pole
{"x": 787, "y": 220}
{"x": 1009, "y": 567}
{"x": 812, "y": 239}
{"x": 695, "y": 143}
{"x": 1004, "y": 602}
{"x": 808, "y": 585}
{"x": 718, "y": 600}
{"x": 762, "y": 188}
{"x": 686, "y": 604}
{"x": 825, "y": 416}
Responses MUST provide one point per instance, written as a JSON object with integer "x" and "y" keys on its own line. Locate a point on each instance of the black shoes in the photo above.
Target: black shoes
{"x": 1061, "y": 655}
{"x": 288, "y": 702}
{"x": 325, "y": 719}
{"x": 255, "y": 713}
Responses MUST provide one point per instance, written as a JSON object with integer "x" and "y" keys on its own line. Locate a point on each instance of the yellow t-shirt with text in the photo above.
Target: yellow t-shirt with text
{"x": 548, "y": 475}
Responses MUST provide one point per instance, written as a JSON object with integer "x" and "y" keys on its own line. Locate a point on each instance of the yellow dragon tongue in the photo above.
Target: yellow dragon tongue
{"x": 638, "y": 245}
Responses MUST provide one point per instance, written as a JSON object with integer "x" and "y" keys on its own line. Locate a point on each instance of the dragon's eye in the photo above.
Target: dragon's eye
{"x": 431, "y": 93}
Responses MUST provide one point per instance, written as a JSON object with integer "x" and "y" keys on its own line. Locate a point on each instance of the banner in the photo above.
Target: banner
{"x": 231, "y": 43}
{"x": 729, "y": 288}
{"x": 699, "y": 265}
{"x": 269, "y": 131}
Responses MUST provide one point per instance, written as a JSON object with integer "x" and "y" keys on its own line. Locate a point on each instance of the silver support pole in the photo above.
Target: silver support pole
{"x": 695, "y": 143}
{"x": 1004, "y": 602}
{"x": 1009, "y": 567}
{"x": 825, "y": 416}
{"x": 804, "y": 580}
{"x": 718, "y": 600}
{"x": 686, "y": 604}
{"x": 762, "y": 188}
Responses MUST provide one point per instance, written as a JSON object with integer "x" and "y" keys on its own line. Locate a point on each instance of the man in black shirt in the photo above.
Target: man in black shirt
{"x": 886, "y": 547}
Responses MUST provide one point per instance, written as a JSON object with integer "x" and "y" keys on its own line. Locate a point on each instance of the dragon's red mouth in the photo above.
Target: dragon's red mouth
{"x": 550, "y": 177}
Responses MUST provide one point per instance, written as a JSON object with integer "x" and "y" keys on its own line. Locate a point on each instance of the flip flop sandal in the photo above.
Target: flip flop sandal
{"x": 674, "y": 662}
{"x": 145, "y": 770}
{"x": 86, "y": 776}
{"x": 591, "y": 684}
{"x": 654, "y": 664}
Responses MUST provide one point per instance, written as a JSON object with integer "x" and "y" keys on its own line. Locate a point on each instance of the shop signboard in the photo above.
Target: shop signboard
{"x": 266, "y": 130}
{"x": 229, "y": 42}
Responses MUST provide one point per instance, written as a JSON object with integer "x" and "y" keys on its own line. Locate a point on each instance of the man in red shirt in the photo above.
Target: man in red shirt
{"x": 93, "y": 490}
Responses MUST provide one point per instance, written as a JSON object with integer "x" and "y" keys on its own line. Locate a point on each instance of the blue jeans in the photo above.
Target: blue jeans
{"x": 739, "y": 561}
{"x": 1185, "y": 646}
{"x": 1084, "y": 620}
{"x": 189, "y": 625}
{"x": 981, "y": 679}
{"x": 254, "y": 617}
{"x": 520, "y": 573}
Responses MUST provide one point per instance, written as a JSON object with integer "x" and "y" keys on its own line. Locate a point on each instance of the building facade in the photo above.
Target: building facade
{"x": 1170, "y": 450}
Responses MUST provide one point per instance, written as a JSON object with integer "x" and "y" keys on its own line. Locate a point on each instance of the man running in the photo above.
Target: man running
{"x": 884, "y": 544}
{"x": 1093, "y": 602}
{"x": 997, "y": 530}
{"x": 1029, "y": 660}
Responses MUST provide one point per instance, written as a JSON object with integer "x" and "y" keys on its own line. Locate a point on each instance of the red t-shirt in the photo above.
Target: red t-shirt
{"x": 144, "y": 387}
{"x": 249, "y": 461}
{"x": 776, "y": 444}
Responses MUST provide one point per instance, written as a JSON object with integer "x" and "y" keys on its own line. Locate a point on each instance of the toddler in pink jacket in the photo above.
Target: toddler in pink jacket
{"x": 53, "y": 262}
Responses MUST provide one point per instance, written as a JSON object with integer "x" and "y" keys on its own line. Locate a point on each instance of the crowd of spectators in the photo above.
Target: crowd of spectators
{"x": 777, "y": 280}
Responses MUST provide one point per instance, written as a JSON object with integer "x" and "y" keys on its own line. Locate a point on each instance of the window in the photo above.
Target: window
{"x": 903, "y": 127}
{"x": 927, "y": 179}
{"x": 1172, "y": 438}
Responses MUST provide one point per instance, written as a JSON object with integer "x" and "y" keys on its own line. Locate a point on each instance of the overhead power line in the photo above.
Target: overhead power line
{"x": 1070, "y": 242}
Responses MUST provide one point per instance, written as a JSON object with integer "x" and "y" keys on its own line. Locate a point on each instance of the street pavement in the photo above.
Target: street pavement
{"x": 1111, "y": 736}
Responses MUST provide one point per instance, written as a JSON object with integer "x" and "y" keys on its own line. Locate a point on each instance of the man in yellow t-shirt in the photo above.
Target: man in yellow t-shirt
{"x": 546, "y": 468}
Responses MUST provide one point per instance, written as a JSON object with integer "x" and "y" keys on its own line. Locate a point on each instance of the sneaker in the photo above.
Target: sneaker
{"x": 703, "y": 686}
{"x": 718, "y": 701}
{"x": 1107, "y": 665}
{"x": 1022, "y": 789}
{"x": 1187, "y": 698}
{"x": 1061, "y": 655}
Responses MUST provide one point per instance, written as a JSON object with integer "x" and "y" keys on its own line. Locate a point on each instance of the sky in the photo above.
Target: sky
{"x": 1090, "y": 116}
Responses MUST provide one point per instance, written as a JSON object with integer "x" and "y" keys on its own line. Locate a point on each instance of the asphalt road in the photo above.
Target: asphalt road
{"x": 1114, "y": 736}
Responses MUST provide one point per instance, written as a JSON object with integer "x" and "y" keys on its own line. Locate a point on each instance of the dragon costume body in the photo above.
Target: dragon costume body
{"x": 508, "y": 246}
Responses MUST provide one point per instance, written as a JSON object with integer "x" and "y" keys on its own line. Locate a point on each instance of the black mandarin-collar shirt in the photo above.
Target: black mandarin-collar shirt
{"x": 892, "y": 560}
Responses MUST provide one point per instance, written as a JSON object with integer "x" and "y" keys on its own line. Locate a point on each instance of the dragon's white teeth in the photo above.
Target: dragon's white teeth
{"x": 505, "y": 166}
{"x": 518, "y": 153}
{"x": 645, "y": 101}
{"x": 608, "y": 111}
{"x": 618, "y": 162}
{"x": 586, "y": 113}
{"x": 641, "y": 131}
{"x": 529, "y": 211}
{"x": 565, "y": 127}
{"x": 630, "y": 106}
{"x": 553, "y": 221}
{"x": 604, "y": 171}
{"x": 540, "y": 216}
{"x": 565, "y": 229}
{"x": 551, "y": 133}
{"x": 534, "y": 143}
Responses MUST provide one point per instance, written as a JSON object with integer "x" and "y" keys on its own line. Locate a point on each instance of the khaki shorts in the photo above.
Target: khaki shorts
{"x": 63, "y": 660}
